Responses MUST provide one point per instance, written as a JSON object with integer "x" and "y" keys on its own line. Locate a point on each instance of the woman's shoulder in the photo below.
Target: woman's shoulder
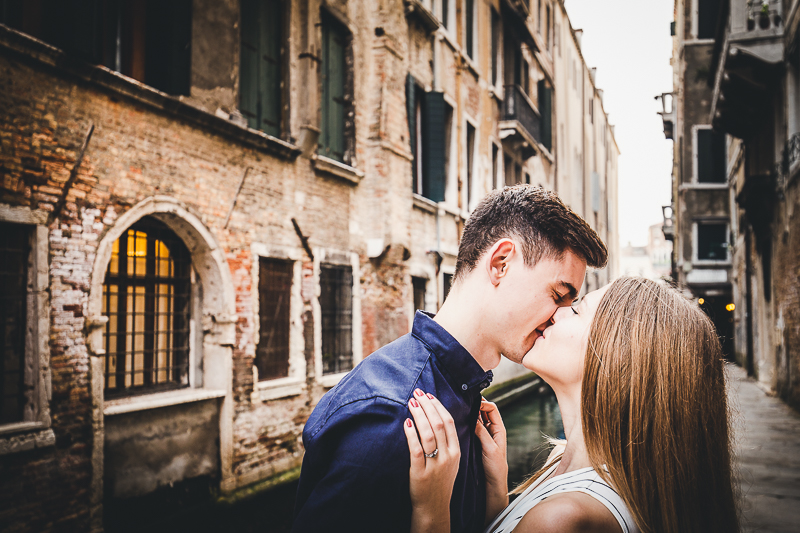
{"x": 569, "y": 512}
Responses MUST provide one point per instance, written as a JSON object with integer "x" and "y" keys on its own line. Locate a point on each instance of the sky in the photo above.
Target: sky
{"x": 629, "y": 43}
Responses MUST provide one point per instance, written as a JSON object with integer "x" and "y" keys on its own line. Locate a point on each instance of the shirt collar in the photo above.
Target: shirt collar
{"x": 464, "y": 372}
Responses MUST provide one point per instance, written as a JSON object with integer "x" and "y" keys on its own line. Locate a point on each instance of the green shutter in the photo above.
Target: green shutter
{"x": 411, "y": 102}
{"x": 260, "y": 94}
{"x": 546, "y": 110}
{"x": 433, "y": 135}
{"x": 270, "y": 24}
{"x": 248, "y": 64}
{"x": 333, "y": 102}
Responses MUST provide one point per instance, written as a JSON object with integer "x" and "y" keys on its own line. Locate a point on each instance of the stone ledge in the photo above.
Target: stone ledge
{"x": 29, "y": 440}
{"x": 331, "y": 167}
{"x": 159, "y": 399}
{"x": 329, "y": 381}
{"x": 278, "y": 388}
{"x": 43, "y": 54}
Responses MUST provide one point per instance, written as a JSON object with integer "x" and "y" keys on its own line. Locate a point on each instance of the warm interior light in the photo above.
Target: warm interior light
{"x": 701, "y": 301}
{"x": 730, "y": 307}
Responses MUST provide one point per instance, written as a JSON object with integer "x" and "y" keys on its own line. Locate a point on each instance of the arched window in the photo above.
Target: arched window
{"x": 146, "y": 297}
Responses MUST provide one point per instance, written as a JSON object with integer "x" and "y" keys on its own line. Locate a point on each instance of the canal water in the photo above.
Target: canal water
{"x": 527, "y": 421}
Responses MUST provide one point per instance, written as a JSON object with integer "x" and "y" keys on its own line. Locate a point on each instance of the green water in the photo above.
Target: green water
{"x": 526, "y": 421}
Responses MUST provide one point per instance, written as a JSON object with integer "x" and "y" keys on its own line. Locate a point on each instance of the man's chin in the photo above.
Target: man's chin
{"x": 514, "y": 357}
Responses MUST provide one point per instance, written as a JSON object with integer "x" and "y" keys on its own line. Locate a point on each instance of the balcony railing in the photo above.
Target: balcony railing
{"x": 517, "y": 108}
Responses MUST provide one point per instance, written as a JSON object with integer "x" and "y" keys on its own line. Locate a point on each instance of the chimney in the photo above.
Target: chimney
{"x": 594, "y": 74}
{"x": 578, "y": 35}
{"x": 600, "y": 95}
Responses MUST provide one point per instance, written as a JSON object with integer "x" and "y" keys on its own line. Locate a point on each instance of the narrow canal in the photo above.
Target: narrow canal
{"x": 526, "y": 420}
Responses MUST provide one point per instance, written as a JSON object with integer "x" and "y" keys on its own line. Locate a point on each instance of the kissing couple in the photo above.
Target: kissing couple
{"x": 405, "y": 442}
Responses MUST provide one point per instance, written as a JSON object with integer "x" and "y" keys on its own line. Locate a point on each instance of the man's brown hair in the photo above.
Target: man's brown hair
{"x": 536, "y": 217}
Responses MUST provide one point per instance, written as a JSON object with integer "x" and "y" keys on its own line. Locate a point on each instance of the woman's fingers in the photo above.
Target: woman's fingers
{"x": 426, "y": 433}
{"x": 414, "y": 446}
{"x": 434, "y": 418}
{"x": 449, "y": 423}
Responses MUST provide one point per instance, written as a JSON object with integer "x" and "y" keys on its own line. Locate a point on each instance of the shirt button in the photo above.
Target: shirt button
{"x": 464, "y": 387}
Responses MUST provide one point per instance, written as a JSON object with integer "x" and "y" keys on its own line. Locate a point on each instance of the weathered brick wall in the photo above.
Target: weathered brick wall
{"x": 137, "y": 152}
{"x": 787, "y": 296}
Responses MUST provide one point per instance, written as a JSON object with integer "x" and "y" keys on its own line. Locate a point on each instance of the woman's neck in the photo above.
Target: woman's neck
{"x": 575, "y": 455}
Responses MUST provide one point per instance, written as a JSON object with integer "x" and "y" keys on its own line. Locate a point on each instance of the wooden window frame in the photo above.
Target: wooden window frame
{"x": 179, "y": 279}
{"x": 329, "y": 124}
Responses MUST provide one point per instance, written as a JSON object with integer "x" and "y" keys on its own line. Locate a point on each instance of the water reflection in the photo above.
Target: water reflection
{"x": 527, "y": 421}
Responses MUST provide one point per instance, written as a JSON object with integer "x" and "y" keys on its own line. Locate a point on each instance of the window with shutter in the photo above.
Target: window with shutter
{"x": 434, "y": 112}
{"x": 260, "y": 93}
{"x": 334, "y": 47}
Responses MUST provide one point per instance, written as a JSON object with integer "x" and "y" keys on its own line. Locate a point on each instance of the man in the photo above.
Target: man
{"x": 522, "y": 255}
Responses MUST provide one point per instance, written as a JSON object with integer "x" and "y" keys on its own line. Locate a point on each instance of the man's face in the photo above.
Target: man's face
{"x": 528, "y": 298}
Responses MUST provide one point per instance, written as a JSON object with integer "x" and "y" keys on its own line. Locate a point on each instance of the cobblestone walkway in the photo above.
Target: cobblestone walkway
{"x": 767, "y": 433}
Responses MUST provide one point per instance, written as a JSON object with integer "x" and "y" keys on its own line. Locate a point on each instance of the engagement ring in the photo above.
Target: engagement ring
{"x": 433, "y": 454}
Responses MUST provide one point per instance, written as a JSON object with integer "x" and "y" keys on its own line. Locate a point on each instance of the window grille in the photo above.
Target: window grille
{"x": 274, "y": 294}
{"x": 14, "y": 253}
{"x": 146, "y": 297}
{"x": 336, "y": 304}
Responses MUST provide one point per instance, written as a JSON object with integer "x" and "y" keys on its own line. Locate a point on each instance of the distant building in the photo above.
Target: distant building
{"x": 211, "y": 211}
{"x": 651, "y": 261}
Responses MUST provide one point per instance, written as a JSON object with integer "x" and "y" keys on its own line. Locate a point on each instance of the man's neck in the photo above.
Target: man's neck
{"x": 460, "y": 317}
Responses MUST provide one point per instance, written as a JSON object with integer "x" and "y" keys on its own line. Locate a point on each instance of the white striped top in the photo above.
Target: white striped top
{"x": 585, "y": 480}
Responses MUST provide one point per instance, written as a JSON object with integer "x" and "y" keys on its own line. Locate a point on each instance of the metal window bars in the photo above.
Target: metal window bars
{"x": 274, "y": 294}
{"x": 336, "y": 304}
{"x": 146, "y": 297}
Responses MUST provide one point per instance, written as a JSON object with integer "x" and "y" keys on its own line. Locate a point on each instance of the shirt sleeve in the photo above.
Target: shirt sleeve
{"x": 355, "y": 471}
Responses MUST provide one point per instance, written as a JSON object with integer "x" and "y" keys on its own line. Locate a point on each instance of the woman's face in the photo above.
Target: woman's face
{"x": 558, "y": 355}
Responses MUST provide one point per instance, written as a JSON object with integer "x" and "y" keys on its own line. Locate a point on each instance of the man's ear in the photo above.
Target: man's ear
{"x": 499, "y": 257}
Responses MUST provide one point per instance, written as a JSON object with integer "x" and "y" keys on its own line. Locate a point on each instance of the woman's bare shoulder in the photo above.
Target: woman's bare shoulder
{"x": 569, "y": 512}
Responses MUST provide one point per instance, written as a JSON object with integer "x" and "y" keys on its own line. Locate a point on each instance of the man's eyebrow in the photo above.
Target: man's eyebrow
{"x": 573, "y": 292}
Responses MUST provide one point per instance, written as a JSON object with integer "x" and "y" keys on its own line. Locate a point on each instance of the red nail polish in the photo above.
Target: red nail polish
{"x": 419, "y": 393}
{"x": 430, "y": 396}
{"x": 408, "y": 422}
{"x": 414, "y": 403}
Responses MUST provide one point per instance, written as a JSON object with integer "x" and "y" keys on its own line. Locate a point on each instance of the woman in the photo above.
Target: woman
{"x": 638, "y": 373}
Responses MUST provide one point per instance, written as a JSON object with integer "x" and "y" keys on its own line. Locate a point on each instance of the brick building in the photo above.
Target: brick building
{"x": 755, "y": 84}
{"x": 211, "y": 211}
{"x": 736, "y": 93}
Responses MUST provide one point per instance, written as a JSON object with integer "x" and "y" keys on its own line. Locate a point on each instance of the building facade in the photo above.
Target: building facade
{"x": 755, "y": 83}
{"x": 211, "y": 211}
{"x": 699, "y": 222}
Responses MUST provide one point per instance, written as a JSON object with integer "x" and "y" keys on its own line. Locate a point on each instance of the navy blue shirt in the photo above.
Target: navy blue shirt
{"x": 355, "y": 470}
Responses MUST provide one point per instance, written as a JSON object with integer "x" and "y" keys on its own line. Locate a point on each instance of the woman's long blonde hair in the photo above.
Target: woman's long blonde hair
{"x": 654, "y": 410}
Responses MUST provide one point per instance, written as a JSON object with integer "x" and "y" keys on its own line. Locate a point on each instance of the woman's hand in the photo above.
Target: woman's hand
{"x": 435, "y": 455}
{"x": 492, "y": 434}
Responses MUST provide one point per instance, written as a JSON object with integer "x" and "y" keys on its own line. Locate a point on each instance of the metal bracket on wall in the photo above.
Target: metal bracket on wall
{"x": 235, "y": 198}
{"x": 73, "y": 175}
{"x": 303, "y": 239}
